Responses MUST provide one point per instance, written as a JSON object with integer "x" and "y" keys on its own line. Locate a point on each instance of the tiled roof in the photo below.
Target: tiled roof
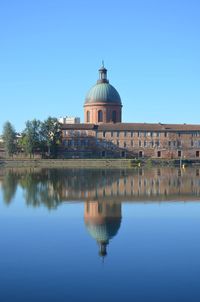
{"x": 134, "y": 127}
{"x": 78, "y": 126}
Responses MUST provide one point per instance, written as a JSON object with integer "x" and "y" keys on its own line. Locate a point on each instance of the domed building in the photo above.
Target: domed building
{"x": 104, "y": 135}
{"x": 102, "y": 102}
{"x": 102, "y": 220}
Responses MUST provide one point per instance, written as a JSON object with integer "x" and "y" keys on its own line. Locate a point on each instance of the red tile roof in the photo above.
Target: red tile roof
{"x": 134, "y": 127}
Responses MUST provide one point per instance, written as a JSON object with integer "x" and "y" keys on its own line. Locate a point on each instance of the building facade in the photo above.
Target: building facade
{"x": 104, "y": 135}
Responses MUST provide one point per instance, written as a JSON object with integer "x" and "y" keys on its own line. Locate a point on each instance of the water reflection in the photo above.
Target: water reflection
{"x": 103, "y": 220}
{"x": 53, "y": 186}
{"x": 103, "y": 192}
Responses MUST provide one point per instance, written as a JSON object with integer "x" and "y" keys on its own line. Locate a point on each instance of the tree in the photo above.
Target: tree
{"x": 30, "y": 140}
{"x": 9, "y": 138}
{"x": 51, "y": 135}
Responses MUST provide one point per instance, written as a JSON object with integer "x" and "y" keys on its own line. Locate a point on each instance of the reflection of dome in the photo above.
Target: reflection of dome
{"x": 102, "y": 220}
{"x": 104, "y": 231}
{"x": 103, "y": 93}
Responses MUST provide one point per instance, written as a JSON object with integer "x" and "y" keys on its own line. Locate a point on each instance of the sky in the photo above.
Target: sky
{"x": 50, "y": 53}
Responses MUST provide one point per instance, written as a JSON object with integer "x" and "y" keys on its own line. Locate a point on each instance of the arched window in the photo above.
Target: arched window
{"x": 88, "y": 116}
{"x": 100, "y": 116}
{"x": 114, "y": 116}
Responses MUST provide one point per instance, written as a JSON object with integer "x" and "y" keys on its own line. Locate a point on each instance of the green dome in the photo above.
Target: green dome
{"x": 103, "y": 93}
{"x": 104, "y": 232}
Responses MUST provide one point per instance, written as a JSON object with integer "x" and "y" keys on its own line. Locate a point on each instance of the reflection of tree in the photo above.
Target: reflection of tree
{"x": 9, "y": 186}
{"x": 41, "y": 189}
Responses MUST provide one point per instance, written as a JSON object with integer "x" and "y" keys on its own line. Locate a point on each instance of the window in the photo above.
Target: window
{"x": 88, "y": 116}
{"x": 140, "y": 144}
{"x": 192, "y": 143}
{"x": 88, "y": 207}
{"x": 124, "y": 133}
{"x": 132, "y": 144}
{"x": 159, "y": 153}
{"x": 111, "y": 133}
{"x": 140, "y": 153}
{"x": 124, "y": 144}
{"x": 131, "y": 133}
{"x": 197, "y": 153}
{"x": 100, "y": 116}
{"x": 179, "y": 153}
{"x": 104, "y": 133}
{"x": 100, "y": 208}
{"x": 114, "y": 116}
{"x": 165, "y": 134}
{"x": 145, "y": 143}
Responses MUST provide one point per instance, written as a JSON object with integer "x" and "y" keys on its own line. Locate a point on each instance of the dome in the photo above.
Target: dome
{"x": 105, "y": 231}
{"x": 103, "y": 93}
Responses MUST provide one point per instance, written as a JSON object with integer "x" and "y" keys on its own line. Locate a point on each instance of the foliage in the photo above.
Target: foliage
{"x": 51, "y": 135}
{"x": 41, "y": 137}
{"x": 9, "y": 138}
{"x": 30, "y": 140}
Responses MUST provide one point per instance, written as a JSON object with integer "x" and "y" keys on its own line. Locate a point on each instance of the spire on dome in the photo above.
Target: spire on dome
{"x": 102, "y": 75}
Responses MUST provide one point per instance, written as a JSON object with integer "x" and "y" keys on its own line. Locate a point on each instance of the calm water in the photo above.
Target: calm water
{"x": 100, "y": 235}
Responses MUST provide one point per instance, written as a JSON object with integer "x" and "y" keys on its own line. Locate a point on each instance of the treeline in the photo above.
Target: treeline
{"x": 38, "y": 137}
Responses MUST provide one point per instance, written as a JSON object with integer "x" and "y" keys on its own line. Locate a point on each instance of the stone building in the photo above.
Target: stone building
{"x": 104, "y": 135}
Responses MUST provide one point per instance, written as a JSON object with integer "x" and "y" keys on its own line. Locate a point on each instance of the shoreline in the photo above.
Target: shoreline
{"x": 96, "y": 163}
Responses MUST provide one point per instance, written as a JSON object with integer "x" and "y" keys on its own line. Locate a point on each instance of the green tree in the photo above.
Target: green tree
{"x": 9, "y": 138}
{"x": 30, "y": 140}
{"x": 51, "y": 135}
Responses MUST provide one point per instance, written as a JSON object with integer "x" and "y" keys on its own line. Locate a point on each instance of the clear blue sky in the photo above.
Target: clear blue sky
{"x": 50, "y": 52}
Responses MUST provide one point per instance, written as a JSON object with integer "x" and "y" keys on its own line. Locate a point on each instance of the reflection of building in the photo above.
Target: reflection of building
{"x": 133, "y": 185}
{"x": 104, "y": 135}
{"x": 102, "y": 220}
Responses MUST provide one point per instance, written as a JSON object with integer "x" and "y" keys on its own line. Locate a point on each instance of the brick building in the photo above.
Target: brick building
{"x": 104, "y": 135}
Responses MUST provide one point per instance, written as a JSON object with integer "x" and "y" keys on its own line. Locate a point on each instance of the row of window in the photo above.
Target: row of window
{"x": 111, "y": 116}
{"x": 145, "y": 144}
{"x": 142, "y": 134}
{"x": 123, "y": 133}
{"x": 159, "y": 153}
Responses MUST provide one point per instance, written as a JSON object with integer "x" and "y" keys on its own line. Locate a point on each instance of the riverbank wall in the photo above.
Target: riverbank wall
{"x": 94, "y": 163}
